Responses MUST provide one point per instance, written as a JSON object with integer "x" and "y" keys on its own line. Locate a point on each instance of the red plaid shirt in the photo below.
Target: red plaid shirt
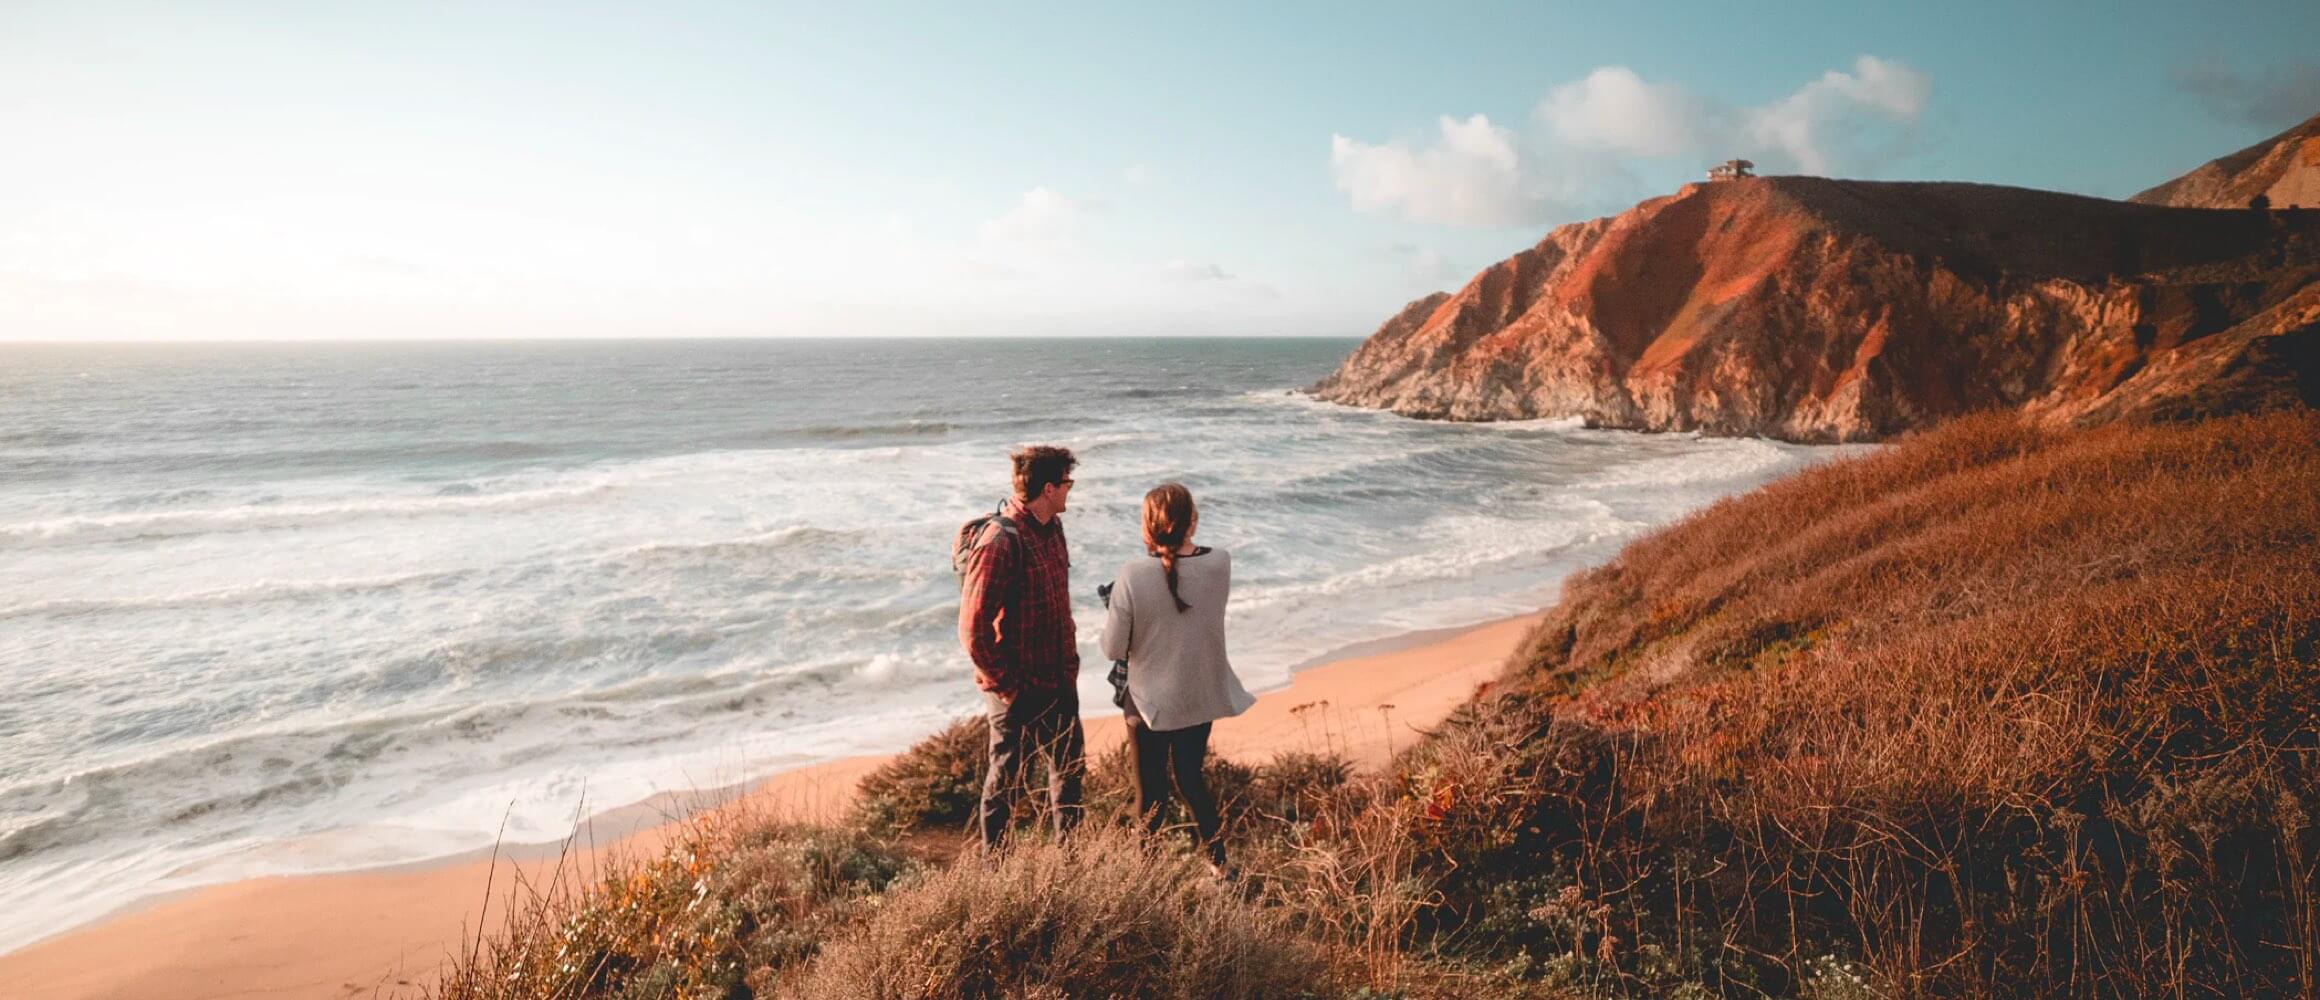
{"x": 1015, "y": 608}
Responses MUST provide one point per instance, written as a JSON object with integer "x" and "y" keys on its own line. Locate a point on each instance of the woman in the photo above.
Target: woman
{"x": 1167, "y": 621}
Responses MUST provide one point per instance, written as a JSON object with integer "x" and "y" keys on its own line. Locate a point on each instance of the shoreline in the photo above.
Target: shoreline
{"x": 379, "y": 929}
{"x": 613, "y": 824}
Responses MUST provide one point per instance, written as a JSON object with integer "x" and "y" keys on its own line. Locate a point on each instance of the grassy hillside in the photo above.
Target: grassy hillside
{"x": 1990, "y": 712}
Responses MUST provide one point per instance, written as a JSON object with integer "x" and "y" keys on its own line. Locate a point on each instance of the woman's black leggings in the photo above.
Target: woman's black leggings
{"x": 1154, "y": 754}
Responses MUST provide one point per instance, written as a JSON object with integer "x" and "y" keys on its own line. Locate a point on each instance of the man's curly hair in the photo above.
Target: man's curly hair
{"x": 1038, "y": 465}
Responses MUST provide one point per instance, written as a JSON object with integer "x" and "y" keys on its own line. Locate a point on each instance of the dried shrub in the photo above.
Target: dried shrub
{"x": 1106, "y": 914}
{"x": 727, "y": 910}
{"x": 1297, "y": 786}
{"x": 936, "y": 784}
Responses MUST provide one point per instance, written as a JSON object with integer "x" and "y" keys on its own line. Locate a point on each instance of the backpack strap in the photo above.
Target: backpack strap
{"x": 976, "y": 533}
{"x": 1015, "y": 533}
{"x": 1006, "y": 525}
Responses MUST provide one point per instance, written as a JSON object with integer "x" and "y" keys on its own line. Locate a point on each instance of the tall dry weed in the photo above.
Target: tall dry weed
{"x": 732, "y": 906}
{"x": 1105, "y": 914}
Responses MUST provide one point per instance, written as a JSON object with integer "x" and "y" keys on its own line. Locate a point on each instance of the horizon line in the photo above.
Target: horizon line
{"x": 203, "y": 341}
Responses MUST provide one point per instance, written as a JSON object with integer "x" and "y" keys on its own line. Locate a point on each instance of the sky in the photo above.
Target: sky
{"x": 230, "y": 171}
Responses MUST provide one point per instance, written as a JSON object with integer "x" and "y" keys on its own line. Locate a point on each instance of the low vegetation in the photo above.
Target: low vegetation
{"x": 1990, "y": 712}
{"x": 731, "y": 908}
{"x": 1113, "y": 915}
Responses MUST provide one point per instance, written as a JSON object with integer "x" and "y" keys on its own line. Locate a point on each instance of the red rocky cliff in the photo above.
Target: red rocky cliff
{"x": 1825, "y": 310}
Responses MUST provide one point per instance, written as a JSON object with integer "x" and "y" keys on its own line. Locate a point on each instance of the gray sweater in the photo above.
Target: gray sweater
{"x": 1178, "y": 676}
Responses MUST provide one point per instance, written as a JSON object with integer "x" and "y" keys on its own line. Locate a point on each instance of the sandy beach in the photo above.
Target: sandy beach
{"x": 385, "y": 932}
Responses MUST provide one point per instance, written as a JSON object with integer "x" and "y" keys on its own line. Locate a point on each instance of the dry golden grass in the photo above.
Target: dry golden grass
{"x": 1106, "y": 914}
{"x": 1986, "y": 713}
{"x": 1990, "y": 712}
{"x": 730, "y": 909}
{"x": 743, "y": 906}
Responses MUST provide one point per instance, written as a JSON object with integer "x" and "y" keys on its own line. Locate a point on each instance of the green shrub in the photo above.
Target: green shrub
{"x": 936, "y": 784}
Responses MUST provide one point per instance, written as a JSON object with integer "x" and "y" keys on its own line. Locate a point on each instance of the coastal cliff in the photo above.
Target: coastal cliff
{"x": 1813, "y": 309}
{"x": 2284, "y": 169}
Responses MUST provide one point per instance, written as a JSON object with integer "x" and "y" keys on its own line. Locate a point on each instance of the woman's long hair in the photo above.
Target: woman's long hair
{"x": 1168, "y": 520}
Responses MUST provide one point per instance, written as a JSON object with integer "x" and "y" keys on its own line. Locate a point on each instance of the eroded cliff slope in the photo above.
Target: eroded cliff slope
{"x": 1822, "y": 310}
{"x": 2284, "y": 169}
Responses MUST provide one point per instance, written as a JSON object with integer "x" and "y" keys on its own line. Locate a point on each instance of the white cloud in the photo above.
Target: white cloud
{"x": 1042, "y": 216}
{"x": 1215, "y": 280}
{"x": 1613, "y": 109}
{"x": 1185, "y": 270}
{"x": 1425, "y": 265}
{"x": 1137, "y": 175}
{"x": 1039, "y": 236}
{"x": 1809, "y": 127}
{"x": 1589, "y": 135}
{"x": 986, "y": 269}
{"x": 1473, "y": 176}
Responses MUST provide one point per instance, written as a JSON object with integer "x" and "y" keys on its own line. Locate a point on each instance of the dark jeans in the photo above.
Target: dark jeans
{"x": 1153, "y": 753}
{"x": 1035, "y": 724}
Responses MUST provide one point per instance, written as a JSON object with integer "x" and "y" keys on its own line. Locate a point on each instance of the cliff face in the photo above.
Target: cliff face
{"x": 2284, "y": 169}
{"x": 1825, "y": 310}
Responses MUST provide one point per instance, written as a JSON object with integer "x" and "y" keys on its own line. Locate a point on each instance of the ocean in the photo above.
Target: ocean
{"x": 270, "y": 608}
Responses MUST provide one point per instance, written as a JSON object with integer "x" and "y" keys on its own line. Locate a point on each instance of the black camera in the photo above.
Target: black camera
{"x": 1119, "y": 673}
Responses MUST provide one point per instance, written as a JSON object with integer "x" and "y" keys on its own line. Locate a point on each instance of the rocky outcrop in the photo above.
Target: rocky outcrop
{"x": 2284, "y": 169}
{"x": 1825, "y": 310}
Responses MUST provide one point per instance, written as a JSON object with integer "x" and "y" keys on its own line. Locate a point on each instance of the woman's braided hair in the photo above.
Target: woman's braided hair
{"x": 1168, "y": 520}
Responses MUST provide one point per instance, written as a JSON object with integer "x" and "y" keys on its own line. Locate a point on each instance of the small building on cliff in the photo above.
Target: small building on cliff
{"x": 1731, "y": 170}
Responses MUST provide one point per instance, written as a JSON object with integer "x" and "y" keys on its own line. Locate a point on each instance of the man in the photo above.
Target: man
{"x": 1015, "y": 621}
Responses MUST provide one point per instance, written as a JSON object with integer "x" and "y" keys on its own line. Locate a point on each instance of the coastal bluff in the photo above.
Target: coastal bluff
{"x": 2284, "y": 170}
{"x": 1819, "y": 310}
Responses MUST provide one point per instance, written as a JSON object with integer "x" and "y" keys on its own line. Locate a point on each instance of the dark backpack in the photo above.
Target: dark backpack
{"x": 970, "y": 539}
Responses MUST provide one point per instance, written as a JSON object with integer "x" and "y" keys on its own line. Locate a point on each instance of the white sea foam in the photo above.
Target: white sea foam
{"x": 279, "y": 668}
{"x": 257, "y": 592}
{"x": 156, "y": 524}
